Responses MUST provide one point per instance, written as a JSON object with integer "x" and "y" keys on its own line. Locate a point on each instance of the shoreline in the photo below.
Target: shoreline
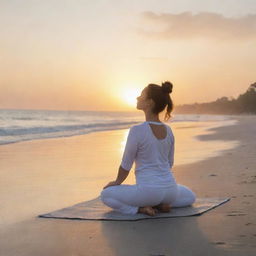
{"x": 203, "y": 127}
{"x": 228, "y": 229}
{"x": 49, "y": 132}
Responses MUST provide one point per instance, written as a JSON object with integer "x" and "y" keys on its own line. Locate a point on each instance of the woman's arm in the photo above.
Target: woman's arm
{"x": 128, "y": 158}
{"x": 121, "y": 176}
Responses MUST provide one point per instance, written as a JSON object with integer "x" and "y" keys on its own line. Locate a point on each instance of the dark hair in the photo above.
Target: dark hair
{"x": 161, "y": 97}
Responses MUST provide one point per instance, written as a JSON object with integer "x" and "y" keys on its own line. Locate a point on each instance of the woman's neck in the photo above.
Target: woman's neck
{"x": 152, "y": 117}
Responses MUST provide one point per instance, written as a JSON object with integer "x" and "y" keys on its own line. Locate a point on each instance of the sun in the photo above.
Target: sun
{"x": 130, "y": 96}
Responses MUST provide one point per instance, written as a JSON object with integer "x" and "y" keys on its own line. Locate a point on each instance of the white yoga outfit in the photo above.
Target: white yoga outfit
{"x": 155, "y": 183}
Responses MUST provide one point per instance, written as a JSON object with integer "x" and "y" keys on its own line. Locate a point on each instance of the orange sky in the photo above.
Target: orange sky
{"x": 89, "y": 55}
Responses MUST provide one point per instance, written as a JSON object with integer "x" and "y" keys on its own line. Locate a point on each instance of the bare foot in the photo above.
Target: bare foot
{"x": 163, "y": 207}
{"x": 148, "y": 210}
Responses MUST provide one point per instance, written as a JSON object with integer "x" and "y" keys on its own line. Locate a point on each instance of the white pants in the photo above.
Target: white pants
{"x": 128, "y": 198}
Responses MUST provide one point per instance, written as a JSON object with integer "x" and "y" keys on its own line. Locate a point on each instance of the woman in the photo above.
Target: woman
{"x": 151, "y": 145}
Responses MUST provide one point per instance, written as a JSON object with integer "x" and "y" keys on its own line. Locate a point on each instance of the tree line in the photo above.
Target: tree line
{"x": 244, "y": 103}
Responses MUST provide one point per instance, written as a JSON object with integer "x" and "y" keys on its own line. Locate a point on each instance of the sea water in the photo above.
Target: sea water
{"x": 22, "y": 125}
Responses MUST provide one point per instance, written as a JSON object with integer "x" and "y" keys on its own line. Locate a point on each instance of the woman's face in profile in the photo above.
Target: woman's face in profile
{"x": 142, "y": 101}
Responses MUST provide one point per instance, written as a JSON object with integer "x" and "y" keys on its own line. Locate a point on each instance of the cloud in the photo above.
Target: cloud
{"x": 202, "y": 25}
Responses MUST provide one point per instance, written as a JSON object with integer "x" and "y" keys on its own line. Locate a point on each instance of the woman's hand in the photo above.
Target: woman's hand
{"x": 121, "y": 176}
{"x": 112, "y": 183}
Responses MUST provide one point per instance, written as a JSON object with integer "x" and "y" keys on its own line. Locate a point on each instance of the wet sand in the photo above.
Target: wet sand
{"x": 46, "y": 175}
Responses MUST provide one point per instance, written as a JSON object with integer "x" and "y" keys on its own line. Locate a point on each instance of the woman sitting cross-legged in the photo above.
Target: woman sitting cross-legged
{"x": 151, "y": 145}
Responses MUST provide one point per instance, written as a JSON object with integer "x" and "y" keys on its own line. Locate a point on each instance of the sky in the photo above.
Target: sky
{"x": 99, "y": 55}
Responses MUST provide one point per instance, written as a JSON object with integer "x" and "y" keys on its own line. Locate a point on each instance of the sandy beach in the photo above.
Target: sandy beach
{"x": 45, "y": 175}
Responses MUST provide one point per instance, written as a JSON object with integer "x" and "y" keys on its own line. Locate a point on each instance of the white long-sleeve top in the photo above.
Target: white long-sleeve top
{"x": 153, "y": 157}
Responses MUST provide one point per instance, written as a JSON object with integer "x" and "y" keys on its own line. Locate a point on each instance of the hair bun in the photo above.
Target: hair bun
{"x": 167, "y": 87}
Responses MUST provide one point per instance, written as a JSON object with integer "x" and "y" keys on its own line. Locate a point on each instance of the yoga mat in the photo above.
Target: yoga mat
{"x": 96, "y": 210}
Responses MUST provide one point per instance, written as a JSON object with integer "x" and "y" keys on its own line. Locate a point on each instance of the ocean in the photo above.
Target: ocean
{"x": 23, "y": 125}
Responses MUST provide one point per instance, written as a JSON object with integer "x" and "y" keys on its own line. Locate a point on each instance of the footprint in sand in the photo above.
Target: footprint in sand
{"x": 236, "y": 214}
{"x": 247, "y": 195}
{"x": 219, "y": 243}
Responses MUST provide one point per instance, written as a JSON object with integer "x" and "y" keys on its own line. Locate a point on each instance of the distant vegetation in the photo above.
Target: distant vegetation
{"x": 245, "y": 103}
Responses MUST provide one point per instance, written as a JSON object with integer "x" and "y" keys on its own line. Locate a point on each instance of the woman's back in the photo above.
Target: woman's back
{"x": 159, "y": 131}
{"x": 152, "y": 149}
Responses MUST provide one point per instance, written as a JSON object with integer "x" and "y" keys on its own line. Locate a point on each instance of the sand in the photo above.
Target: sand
{"x": 42, "y": 176}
